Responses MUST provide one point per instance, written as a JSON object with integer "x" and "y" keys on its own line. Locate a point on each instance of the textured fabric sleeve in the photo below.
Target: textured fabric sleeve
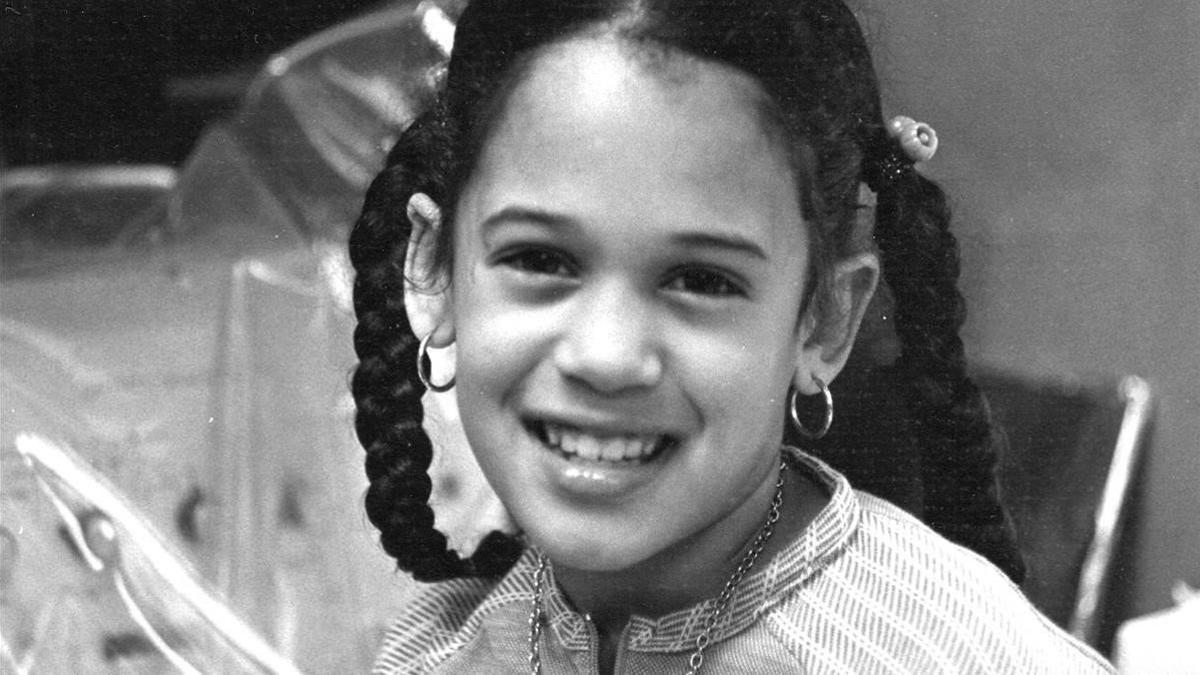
{"x": 429, "y": 630}
{"x": 901, "y": 599}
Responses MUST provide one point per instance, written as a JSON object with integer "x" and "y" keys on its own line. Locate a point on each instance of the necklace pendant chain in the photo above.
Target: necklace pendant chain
{"x": 696, "y": 660}
{"x": 535, "y": 618}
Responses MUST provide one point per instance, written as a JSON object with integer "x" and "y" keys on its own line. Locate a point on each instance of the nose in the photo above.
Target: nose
{"x": 611, "y": 344}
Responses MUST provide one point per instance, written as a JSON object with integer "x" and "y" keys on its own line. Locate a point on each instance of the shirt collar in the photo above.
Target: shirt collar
{"x": 819, "y": 544}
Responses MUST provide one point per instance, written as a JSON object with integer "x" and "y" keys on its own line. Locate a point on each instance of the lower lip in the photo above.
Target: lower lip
{"x": 596, "y": 480}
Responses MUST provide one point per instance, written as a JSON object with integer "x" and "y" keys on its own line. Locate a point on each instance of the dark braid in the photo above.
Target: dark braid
{"x": 948, "y": 415}
{"x": 385, "y": 385}
{"x": 948, "y": 420}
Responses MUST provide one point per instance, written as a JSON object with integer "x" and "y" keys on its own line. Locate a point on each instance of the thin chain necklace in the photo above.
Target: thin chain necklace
{"x": 697, "y": 658}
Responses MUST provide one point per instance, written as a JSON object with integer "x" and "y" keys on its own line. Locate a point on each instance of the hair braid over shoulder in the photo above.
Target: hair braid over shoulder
{"x": 948, "y": 415}
{"x": 386, "y": 388}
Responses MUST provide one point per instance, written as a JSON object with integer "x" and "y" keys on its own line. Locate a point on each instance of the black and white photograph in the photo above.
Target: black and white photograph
{"x": 599, "y": 336}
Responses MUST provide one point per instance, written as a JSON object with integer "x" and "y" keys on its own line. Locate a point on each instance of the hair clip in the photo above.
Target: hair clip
{"x": 908, "y": 142}
{"x": 918, "y": 140}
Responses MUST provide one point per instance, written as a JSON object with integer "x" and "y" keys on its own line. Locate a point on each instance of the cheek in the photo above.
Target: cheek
{"x": 490, "y": 350}
{"x": 498, "y": 341}
{"x": 739, "y": 376}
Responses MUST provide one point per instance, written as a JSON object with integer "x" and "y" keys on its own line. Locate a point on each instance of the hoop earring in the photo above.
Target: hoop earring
{"x": 424, "y": 373}
{"x": 812, "y": 435}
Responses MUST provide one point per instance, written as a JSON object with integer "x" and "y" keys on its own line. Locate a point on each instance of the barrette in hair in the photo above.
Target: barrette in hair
{"x": 910, "y": 142}
{"x": 918, "y": 140}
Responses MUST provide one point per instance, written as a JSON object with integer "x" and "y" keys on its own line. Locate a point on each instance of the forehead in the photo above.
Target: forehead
{"x": 605, "y": 127}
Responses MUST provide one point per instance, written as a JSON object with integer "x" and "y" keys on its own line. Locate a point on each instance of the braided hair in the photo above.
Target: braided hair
{"x": 822, "y": 99}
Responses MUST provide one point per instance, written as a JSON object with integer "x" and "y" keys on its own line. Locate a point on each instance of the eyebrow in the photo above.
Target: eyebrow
{"x": 524, "y": 214}
{"x": 730, "y": 241}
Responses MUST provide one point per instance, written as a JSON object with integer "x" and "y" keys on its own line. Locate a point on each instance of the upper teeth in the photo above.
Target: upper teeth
{"x": 609, "y": 448}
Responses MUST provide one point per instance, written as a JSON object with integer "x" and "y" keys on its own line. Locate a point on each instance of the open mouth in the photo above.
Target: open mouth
{"x": 572, "y": 442}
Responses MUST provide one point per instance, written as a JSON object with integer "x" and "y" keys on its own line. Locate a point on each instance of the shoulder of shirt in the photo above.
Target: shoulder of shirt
{"x": 435, "y": 622}
{"x": 906, "y": 577}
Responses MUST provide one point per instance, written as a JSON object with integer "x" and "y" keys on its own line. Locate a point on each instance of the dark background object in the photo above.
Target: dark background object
{"x": 1075, "y": 449}
{"x": 118, "y": 81}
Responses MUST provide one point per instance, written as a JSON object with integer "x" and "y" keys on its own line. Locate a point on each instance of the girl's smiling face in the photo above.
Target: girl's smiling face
{"x": 629, "y": 268}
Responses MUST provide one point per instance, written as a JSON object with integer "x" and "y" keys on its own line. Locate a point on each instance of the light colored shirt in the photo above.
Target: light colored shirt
{"x": 865, "y": 588}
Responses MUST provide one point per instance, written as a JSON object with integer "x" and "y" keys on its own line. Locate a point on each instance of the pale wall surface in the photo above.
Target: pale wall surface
{"x": 1071, "y": 147}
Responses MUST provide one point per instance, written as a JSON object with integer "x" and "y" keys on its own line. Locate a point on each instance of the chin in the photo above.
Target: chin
{"x": 600, "y": 548}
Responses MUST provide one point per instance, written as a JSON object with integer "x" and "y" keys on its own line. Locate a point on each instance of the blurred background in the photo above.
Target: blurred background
{"x": 136, "y": 81}
{"x": 1072, "y": 153}
{"x": 184, "y": 324}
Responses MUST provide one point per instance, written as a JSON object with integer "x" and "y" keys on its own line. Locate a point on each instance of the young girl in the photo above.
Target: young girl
{"x": 643, "y": 226}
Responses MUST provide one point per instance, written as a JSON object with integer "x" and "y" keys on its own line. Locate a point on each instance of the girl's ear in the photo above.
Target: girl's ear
{"x": 825, "y": 340}
{"x": 426, "y": 290}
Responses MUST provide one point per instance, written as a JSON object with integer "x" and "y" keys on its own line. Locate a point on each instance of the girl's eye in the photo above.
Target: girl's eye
{"x": 702, "y": 281}
{"x": 538, "y": 261}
